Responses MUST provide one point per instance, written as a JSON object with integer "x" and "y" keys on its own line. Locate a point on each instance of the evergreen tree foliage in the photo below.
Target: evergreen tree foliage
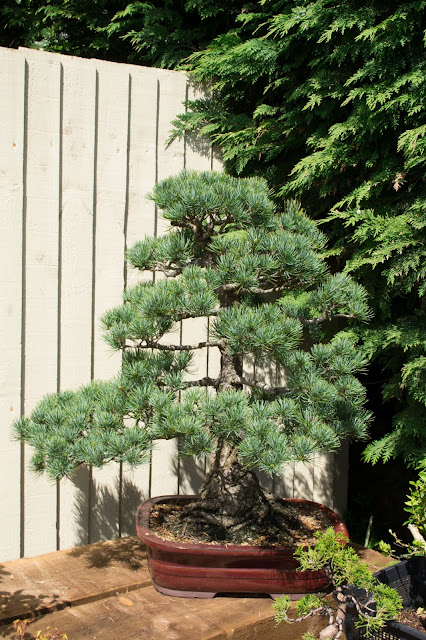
{"x": 155, "y": 33}
{"x": 228, "y": 255}
{"x": 14, "y": 27}
{"x": 327, "y": 101}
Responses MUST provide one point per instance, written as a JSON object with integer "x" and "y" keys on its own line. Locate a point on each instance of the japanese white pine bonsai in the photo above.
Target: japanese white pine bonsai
{"x": 258, "y": 276}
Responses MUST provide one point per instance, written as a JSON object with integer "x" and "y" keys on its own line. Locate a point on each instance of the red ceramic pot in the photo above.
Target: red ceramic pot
{"x": 205, "y": 570}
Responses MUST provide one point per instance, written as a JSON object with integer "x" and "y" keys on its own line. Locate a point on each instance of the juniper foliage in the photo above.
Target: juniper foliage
{"x": 326, "y": 100}
{"x": 353, "y": 584}
{"x": 228, "y": 255}
{"x": 153, "y": 33}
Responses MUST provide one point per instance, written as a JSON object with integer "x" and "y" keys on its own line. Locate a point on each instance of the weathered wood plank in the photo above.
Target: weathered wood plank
{"x": 140, "y": 223}
{"x": 103, "y": 590}
{"x": 76, "y": 576}
{"x": 42, "y": 272}
{"x": 111, "y": 177}
{"x": 12, "y": 160}
{"x": 111, "y": 210}
{"x": 78, "y": 163}
{"x": 170, "y": 161}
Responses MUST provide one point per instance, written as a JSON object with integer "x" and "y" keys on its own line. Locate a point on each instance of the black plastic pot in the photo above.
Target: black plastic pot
{"x": 409, "y": 579}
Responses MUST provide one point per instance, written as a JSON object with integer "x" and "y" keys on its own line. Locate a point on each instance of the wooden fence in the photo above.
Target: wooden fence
{"x": 81, "y": 144}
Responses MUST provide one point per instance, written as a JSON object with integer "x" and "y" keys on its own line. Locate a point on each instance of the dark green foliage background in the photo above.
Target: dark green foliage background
{"x": 327, "y": 101}
{"x": 156, "y": 33}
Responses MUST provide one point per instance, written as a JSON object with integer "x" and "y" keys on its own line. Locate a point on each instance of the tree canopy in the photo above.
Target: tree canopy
{"x": 228, "y": 254}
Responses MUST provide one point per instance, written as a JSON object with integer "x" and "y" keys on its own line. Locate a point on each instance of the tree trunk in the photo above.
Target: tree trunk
{"x": 231, "y": 498}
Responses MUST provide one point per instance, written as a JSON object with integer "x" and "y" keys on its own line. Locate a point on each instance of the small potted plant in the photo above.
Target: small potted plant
{"x": 372, "y": 603}
{"x": 408, "y": 576}
{"x": 258, "y": 277}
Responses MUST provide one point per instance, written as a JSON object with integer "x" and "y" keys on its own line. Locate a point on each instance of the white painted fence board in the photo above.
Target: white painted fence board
{"x": 213, "y": 356}
{"x": 140, "y": 223}
{"x": 266, "y": 374}
{"x": 164, "y": 468}
{"x": 340, "y": 478}
{"x": 303, "y": 483}
{"x": 283, "y": 484}
{"x": 104, "y": 505}
{"x": 198, "y": 156}
{"x": 74, "y": 509}
{"x": 169, "y": 161}
{"x": 194, "y": 331}
{"x": 323, "y": 472}
{"x": 217, "y": 164}
{"x": 170, "y": 158}
{"x": 198, "y": 151}
{"x": 111, "y": 181}
{"x": 42, "y": 237}
{"x": 142, "y": 162}
{"x": 111, "y": 176}
{"x": 191, "y": 469}
{"x": 78, "y": 158}
{"x": 134, "y": 490}
{"x": 12, "y": 116}
{"x": 172, "y": 94}
{"x": 78, "y": 149}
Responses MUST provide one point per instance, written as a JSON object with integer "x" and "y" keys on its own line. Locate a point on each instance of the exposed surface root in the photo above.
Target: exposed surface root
{"x": 286, "y": 524}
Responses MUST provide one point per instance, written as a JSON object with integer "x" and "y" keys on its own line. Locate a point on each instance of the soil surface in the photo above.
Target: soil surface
{"x": 412, "y": 619}
{"x": 291, "y": 524}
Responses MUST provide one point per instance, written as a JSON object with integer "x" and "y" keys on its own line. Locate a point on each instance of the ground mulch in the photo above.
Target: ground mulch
{"x": 292, "y": 524}
{"x": 413, "y": 619}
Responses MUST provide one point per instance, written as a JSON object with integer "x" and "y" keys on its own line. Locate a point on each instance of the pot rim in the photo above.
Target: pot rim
{"x": 151, "y": 539}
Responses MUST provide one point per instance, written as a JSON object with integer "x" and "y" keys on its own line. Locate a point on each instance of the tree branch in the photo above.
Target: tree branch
{"x": 220, "y": 344}
{"x": 277, "y": 289}
{"x": 233, "y": 286}
{"x": 256, "y": 384}
{"x": 416, "y": 534}
{"x": 204, "y": 382}
{"x": 325, "y": 316}
{"x": 323, "y": 610}
{"x": 168, "y": 270}
{"x": 184, "y": 222}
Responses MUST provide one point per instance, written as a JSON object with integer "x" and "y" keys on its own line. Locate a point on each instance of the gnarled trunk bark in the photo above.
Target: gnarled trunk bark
{"x": 231, "y": 497}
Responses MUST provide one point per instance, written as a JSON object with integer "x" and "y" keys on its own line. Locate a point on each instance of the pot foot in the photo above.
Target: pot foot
{"x": 176, "y": 593}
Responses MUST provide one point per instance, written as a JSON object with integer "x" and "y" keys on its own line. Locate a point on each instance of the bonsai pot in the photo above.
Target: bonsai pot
{"x": 204, "y": 570}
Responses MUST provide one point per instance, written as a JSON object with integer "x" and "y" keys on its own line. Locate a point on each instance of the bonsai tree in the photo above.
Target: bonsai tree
{"x": 259, "y": 276}
{"x": 353, "y": 584}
